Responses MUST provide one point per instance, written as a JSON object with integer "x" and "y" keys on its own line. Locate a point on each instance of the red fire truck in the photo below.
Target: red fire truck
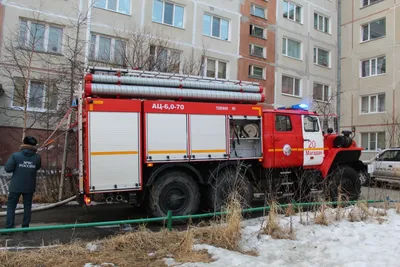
{"x": 185, "y": 143}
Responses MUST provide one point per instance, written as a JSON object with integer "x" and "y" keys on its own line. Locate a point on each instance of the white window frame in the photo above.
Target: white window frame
{"x": 253, "y": 11}
{"x": 323, "y": 92}
{"x": 220, "y": 27}
{"x": 369, "y": 140}
{"x": 369, "y": 3}
{"x": 105, "y": 8}
{"x": 251, "y": 47}
{"x": 31, "y": 109}
{"x": 253, "y": 26}
{"x": 46, "y": 36}
{"x": 294, "y": 84}
{"x": 112, "y": 51}
{"x": 370, "y": 67}
{"x": 173, "y": 14}
{"x": 369, "y": 31}
{"x": 369, "y": 104}
{"x": 323, "y": 22}
{"x": 217, "y": 61}
{"x": 294, "y": 16}
{"x": 285, "y": 39}
{"x": 316, "y": 57}
{"x": 251, "y": 74}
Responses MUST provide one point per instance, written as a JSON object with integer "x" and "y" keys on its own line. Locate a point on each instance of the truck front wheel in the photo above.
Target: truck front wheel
{"x": 175, "y": 191}
{"x": 344, "y": 184}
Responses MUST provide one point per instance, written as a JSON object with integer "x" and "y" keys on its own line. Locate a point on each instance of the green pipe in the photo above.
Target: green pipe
{"x": 170, "y": 218}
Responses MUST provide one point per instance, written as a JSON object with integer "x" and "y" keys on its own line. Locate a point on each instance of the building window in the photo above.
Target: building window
{"x": 291, "y": 48}
{"x": 164, "y": 59}
{"x": 168, "y": 13}
{"x": 292, "y": 11}
{"x": 121, "y": 6}
{"x": 373, "y": 66}
{"x": 257, "y": 11}
{"x": 256, "y": 72}
{"x": 373, "y": 103}
{"x": 321, "y": 92}
{"x": 321, "y": 23}
{"x": 283, "y": 123}
{"x": 257, "y": 31}
{"x": 216, "y": 68}
{"x": 365, "y": 3}
{"x": 258, "y": 51}
{"x": 40, "y": 97}
{"x": 290, "y": 86}
{"x": 373, "y": 141}
{"x": 321, "y": 57}
{"x": 215, "y": 27}
{"x": 373, "y": 30}
{"x": 107, "y": 49}
{"x": 40, "y": 37}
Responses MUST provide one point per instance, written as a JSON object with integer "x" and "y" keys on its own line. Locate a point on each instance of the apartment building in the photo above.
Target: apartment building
{"x": 369, "y": 70}
{"x": 306, "y": 54}
{"x": 257, "y": 45}
{"x": 183, "y": 36}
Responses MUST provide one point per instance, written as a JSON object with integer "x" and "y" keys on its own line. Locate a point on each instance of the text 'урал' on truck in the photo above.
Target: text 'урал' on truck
{"x": 185, "y": 143}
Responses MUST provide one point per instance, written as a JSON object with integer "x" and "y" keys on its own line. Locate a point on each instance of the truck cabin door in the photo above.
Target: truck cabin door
{"x": 313, "y": 141}
{"x": 287, "y": 140}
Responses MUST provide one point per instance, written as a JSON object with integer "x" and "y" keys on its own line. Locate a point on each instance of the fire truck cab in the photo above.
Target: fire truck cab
{"x": 188, "y": 143}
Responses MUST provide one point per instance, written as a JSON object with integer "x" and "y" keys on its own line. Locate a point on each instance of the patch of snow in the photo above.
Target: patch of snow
{"x": 101, "y": 265}
{"x": 92, "y": 247}
{"x": 372, "y": 242}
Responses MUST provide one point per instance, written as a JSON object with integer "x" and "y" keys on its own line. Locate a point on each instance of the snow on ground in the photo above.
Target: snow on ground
{"x": 342, "y": 243}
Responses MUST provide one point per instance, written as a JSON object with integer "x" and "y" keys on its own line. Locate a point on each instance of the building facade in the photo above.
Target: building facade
{"x": 257, "y": 45}
{"x": 369, "y": 70}
{"x": 306, "y": 55}
{"x": 183, "y": 36}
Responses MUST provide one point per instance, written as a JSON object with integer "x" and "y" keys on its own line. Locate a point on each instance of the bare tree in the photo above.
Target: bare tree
{"x": 391, "y": 125}
{"x": 23, "y": 66}
{"x": 324, "y": 104}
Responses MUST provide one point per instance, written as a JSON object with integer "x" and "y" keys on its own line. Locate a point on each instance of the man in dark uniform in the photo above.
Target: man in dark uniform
{"x": 24, "y": 166}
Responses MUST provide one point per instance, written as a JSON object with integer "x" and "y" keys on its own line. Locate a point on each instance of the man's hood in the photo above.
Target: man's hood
{"x": 28, "y": 150}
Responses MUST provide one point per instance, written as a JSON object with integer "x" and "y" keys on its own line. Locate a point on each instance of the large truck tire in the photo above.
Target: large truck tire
{"x": 347, "y": 180}
{"x": 175, "y": 191}
{"x": 227, "y": 183}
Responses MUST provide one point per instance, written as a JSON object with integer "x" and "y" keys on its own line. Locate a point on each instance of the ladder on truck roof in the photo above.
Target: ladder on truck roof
{"x": 166, "y": 75}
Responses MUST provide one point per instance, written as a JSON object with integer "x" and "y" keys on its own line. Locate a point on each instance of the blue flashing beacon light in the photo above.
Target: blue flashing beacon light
{"x": 296, "y": 107}
{"x": 300, "y": 106}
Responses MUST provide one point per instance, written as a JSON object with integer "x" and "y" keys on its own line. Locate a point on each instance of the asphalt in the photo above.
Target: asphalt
{"x": 108, "y": 212}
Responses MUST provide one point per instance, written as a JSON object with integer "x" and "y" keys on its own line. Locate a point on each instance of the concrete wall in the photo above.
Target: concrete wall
{"x": 304, "y": 68}
{"x": 353, "y": 85}
{"x": 269, "y": 43}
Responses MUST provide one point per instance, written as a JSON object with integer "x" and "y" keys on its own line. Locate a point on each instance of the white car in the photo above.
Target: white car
{"x": 385, "y": 167}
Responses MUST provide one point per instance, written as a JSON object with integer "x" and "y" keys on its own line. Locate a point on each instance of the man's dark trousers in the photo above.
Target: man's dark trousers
{"x": 12, "y": 204}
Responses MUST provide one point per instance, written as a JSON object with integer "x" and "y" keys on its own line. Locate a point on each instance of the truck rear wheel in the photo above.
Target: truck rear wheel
{"x": 225, "y": 185}
{"x": 175, "y": 191}
{"x": 345, "y": 182}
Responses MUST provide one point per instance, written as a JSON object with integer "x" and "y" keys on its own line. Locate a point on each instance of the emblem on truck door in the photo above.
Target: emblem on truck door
{"x": 287, "y": 150}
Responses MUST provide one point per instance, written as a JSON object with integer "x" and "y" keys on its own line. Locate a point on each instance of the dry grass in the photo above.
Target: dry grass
{"x": 321, "y": 218}
{"x": 274, "y": 228}
{"x": 142, "y": 248}
{"x": 224, "y": 232}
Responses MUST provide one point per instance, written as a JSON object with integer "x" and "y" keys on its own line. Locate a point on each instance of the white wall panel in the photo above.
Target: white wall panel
{"x": 208, "y": 136}
{"x": 114, "y": 150}
{"x": 166, "y": 136}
